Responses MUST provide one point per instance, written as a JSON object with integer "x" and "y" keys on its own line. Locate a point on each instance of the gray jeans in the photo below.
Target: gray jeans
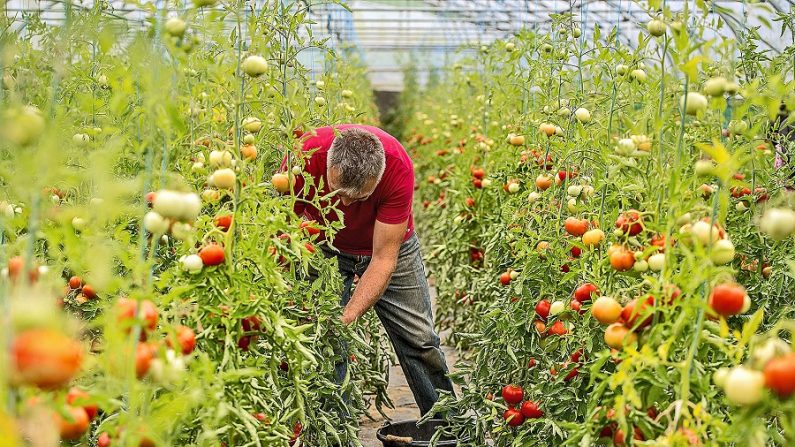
{"x": 405, "y": 311}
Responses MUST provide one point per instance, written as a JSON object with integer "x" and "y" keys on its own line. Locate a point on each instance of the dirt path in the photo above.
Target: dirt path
{"x": 399, "y": 391}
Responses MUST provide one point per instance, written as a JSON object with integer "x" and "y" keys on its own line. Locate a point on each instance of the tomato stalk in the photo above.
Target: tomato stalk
{"x": 232, "y": 236}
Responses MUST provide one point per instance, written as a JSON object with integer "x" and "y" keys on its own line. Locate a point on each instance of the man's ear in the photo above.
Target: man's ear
{"x": 334, "y": 174}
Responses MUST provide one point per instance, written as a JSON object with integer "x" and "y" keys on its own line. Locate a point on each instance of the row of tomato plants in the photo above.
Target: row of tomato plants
{"x": 609, "y": 235}
{"x": 156, "y": 284}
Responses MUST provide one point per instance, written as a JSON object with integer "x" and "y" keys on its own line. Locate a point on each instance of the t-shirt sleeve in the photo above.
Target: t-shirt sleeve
{"x": 396, "y": 206}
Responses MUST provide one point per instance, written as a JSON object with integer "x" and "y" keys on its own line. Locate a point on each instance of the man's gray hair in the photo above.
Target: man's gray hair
{"x": 359, "y": 156}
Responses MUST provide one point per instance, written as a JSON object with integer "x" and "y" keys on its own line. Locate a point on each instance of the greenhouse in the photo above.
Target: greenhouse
{"x": 366, "y": 223}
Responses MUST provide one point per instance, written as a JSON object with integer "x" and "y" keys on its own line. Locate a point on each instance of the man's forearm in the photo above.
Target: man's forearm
{"x": 369, "y": 289}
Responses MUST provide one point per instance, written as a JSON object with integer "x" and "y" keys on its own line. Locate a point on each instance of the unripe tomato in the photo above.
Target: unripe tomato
{"x": 44, "y": 358}
{"x": 531, "y": 410}
{"x": 638, "y": 75}
{"x": 656, "y": 262}
{"x": 656, "y": 27}
{"x": 155, "y": 223}
{"x": 254, "y": 66}
{"x": 512, "y": 394}
{"x": 617, "y": 336}
{"x": 780, "y": 375}
{"x": 212, "y": 254}
{"x": 772, "y": 348}
{"x": 606, "y": 310}
{"x": 513, "y": 417}
{"x": 722, "y": 252}
{"x": 192, "y": 263}
{"x": 715, "y": 86}
{"x": 744, "y": 386}
{"x": 224, "y": 178}
{"x": 694, "y": 103}
{"x": 516, "y": 140}
{"x": 727, "y": 299}
{"x": 582, "y": 115}
{"x": 175, "y": 27}
{"x": 778, "y": 223}
{"x": 74, "y": 426}
{"x": 556, "y": 307}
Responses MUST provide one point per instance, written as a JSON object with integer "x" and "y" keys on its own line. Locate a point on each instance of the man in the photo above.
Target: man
{"x": 373, "y": 178}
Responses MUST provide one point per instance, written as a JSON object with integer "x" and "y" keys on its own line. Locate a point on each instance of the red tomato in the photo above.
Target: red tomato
{"x": 727, "y": 299}
{"x": 575, "y": 251}
{"x": 576, "y": 356}
{"x": 542, "y": 308}
{"x": 558, "y": 328}
{"x": 575, "y": 227}
{"x": 478, "y": 173}
{"x": 513, "y": 417}
{"x": 565, "y": 268}
{"x": 212, "y": 254}
{"x": 477, "y": 183}
{"x": 310, "y": 226}
{"x": 76, "y": 396}
{"x": 127, "y": 310}
{"x": 618, "y": 438}
{"x": 144, "y": 353}
{"x": 637, "y": 309}
{"x": 44, "y": 358}
{"x": 585, "y": 291}
{"x": 75, "y": 282}
{"x": 186, "y": 339}
{"x": 505, "y": 278}
{"x": 630, "y": 222}
{"x": 74, "y": 425}
{"x": 470, "y": 202}
{"x": 15, "y": 267}
{"x": 103, "y": 440}
{"x": 223, "y": 221}
{"x": 577, "y": 306}
{"x": 531, "y": 363}
{"x": 531, "y": 410}
{"x": 89, "y": 292}
{"x": 780, "y": 375}
{"x": 512, "y": 394}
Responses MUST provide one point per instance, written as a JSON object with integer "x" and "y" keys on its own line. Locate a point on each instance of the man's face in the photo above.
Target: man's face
{"x": 346, "y": 197}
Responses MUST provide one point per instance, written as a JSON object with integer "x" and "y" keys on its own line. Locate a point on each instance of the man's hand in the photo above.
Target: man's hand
{"x": 387, "y": 239}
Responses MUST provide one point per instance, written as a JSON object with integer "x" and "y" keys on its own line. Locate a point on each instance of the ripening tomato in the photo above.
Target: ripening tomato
{"x": 513, "y": 417}
{"x": 575, "y": 227}
{"x": 76, "y": 396}
{"x": 618, "y": 438}
{"x": 558, "y": 328}
{"x": 74, "y": 425}
{"x": 212, "y": 254}
{"x": 630, "y": 222}
{"x": 542, "y": 308}
{"x": 543, "y": 182}
{"x": 606, "y": 310}
{"x": 281, "y": 182}
{"x": 15, "y": 267}
{"x": 541, "y": 327}
{"x": 780, "y": 375}
{"x": 584, "y": 292}
{"x": 577, "y": 306}
{"x": 512, "y": 394}
{"x": 531, "y": 410}
{"x": 44, "y": 358}
{"x": 727, "y": 299}
{"x": 223, "y": 221}
{"x": 470, "y": 202}
{"x": 622, "y": 259}
{"x": 636, "y": 309}
{"x": 617, "y": 336}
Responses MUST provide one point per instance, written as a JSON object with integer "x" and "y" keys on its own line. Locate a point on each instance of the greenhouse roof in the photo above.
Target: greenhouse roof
{"x": 387, "y": 33}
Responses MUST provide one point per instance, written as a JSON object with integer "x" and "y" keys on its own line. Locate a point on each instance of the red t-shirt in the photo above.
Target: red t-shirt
{"x": 390, "y": 203}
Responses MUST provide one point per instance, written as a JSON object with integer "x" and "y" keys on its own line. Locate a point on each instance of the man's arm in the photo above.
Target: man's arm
{"x": 387, "y": 239}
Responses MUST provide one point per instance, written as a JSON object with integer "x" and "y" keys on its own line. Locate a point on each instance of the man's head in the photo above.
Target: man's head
{"x": 356, "y": 162}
